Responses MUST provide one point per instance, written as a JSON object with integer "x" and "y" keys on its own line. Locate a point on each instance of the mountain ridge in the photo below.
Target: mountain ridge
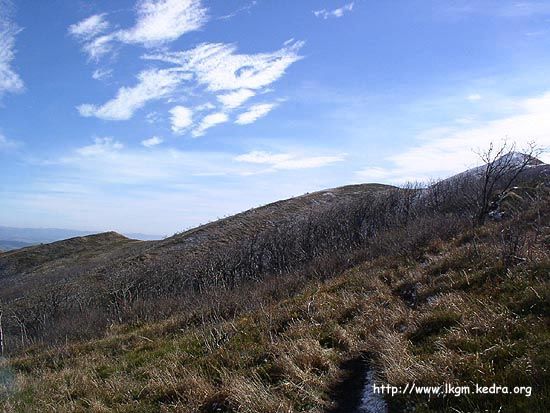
{"x": 263, "y": 311}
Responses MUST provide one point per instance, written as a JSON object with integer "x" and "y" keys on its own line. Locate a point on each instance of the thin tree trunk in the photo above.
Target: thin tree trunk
{"x": 1, "y": 337}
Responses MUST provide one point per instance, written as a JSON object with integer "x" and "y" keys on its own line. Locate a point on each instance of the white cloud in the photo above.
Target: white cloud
{"x": 140, "y": 189}
{"x": 205, "y": 106}
{"x": 98, "y": 47}
{"x": 373, "y": 173}
{"x": 107, "y": 161}
{"x": 235, "y": 99}
{"x": 153, "y": 141}
{"x": 153, "y": 84}
{"x": 101, "y": 146}
{"x": 218, "y": 67}
{"x": 454, "y": 150}
{"x": 153, "y": 117}
{"x": 502, "y": 9}
{"x": 261, "y": 157}
{"x": 88, "y": 32}
{"x": 158, "y": 22}
{"x": 181, "y": 118}
{"x": 474, "y": 97}
{"x": 89, "y": 27}
{"x": 339, "y": 12}
{"x": 287, "y": 161}
{"x": 524, "y": 9}
{"x": 208, "y": 122}
{"x": 9, "y": 79}
{"x": 6, "y": 143}
{"x": 254, "y": 113}
{"x": 246, "y": 8}
{"x": 163, "y": 21}
{"x": 101, "y": 74}
{"x": 223, "y": 74}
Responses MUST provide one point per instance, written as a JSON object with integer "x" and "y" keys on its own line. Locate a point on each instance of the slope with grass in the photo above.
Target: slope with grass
{"x": 76, "y": 287}
{"x": 469, "y": 309}
{"x": 401, "y": 283}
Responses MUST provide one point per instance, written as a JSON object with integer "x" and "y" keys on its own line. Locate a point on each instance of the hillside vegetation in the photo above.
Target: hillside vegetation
{"x": 262, "y": 312}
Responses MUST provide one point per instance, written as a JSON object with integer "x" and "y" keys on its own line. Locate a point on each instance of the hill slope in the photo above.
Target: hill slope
{"x": 465, "y": 308}
{"x": 214, "y": 234}
{"x": 107, "y": 273}
{"x": 292, "y": 307}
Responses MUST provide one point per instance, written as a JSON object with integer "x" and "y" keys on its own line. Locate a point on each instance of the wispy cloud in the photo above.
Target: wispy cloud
{"x": 524, "y": 9}
{"x": 243, "y": 9}
{"x": 153, "y": 141}
{"x": 101, "y": 146}
{"x": 111, "y": 162}
{"x": 101, "y": 74}
{"x": 235, "y": 99}
{"x": 107, "y": 161}
{"x": 233, "y": 78}
{"x": 218, "y": 67}
{"x": 278, "y": 161}
{"x": 336, "y": 13}
{"x": 9, "y": 79}
{"x": 164, "y": 21}
{"x": 474, "y": 97}
{"x": 147, "y": 188}
{"x": 454, "y": 148}
{"x": 181, "y": 118}
{"x": 89, "y": 27}
{"x": 6, "y": 143}
{"x": 254, "y": 113}
{"x": 209, "y": 121}
{"x": 152, "y": 84}
{"x": 214, "y": 71}
{"x": 157, "y": 22}
{"x": 501, "y": 9}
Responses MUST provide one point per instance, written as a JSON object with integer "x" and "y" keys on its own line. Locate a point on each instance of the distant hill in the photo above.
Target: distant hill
{"x": 6, "y": 245}
{"x": 13, "y": 237}
{"x": 116, "y": 254}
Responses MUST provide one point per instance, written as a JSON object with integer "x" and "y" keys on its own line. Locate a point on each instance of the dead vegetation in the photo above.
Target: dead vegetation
{"x": 430, "y": 297}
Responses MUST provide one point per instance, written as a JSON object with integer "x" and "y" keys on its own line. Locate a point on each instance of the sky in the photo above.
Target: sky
{"x": 155, "y": 116}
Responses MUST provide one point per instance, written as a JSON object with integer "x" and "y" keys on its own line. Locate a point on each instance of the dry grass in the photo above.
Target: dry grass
{"x": 462, "y": 313}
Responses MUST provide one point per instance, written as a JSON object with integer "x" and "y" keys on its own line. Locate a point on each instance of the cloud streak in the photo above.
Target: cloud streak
{"x": 153, "y": 141}
{"x": 218, "y": 67}
{"x": 89, "y": 27}
{"x": 152, "y": 84}
{"x": 287, "y": 161}
{"x": 6, "y": 143}
{"x": 157, "y": 22}
{"x": 9, "y": 79}
{"x": 235, "y": 99}
{"x": 455, "y": 148}
{"x": 254, "y": 113}
{"x": 209, "y": 121}
{"x": 233, "y": 78}
{"x": 216, "y": 71}
{"x": 101, "y": 146}
{"x": 335, "y": 13}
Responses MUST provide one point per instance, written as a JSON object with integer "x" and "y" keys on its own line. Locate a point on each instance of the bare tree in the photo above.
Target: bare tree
{"x": 502, "y": 167}
{"x": 1, "y": 335}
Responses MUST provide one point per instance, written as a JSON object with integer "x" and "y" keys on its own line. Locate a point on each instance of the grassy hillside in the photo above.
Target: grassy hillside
{"x": 108, "y": 278}
{"x": 470, "y": 307}
{"x": 290, "y": 307}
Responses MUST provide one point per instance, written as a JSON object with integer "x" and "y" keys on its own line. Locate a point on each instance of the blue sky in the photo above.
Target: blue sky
{"x": 157, "y": 115}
